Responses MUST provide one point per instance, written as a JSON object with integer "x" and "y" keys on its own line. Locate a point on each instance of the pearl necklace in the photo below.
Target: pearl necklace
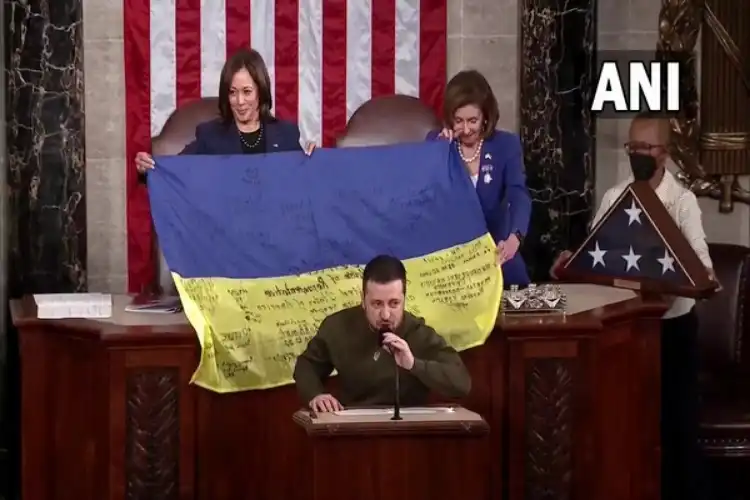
{"x": 476, "y": 154}
{"x": 257, "y": 140}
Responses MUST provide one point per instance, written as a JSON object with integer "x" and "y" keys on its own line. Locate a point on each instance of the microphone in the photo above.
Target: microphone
{"x": 381, "y": 334}
{"x": 381, "y": 347}
{"x": 397, "y": 403}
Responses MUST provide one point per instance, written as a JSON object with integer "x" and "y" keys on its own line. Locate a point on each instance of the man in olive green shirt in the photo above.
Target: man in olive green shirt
{"x": 364, "y": 344}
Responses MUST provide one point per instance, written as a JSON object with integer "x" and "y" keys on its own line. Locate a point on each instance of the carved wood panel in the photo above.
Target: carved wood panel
{"x": 549, "y": 429}
{"x": 152, "y": 434}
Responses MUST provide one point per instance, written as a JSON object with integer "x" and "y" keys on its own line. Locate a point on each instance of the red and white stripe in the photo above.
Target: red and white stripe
{"x": 325, "y": 58}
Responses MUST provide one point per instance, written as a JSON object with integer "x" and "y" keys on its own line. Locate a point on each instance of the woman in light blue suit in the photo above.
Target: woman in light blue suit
{"x": 494, "y": 161}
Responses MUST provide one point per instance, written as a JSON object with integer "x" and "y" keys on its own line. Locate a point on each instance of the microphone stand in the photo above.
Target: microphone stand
{"x": 397, "y": 402}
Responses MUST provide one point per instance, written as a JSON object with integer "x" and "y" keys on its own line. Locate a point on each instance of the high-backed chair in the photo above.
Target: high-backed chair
{"x": 177, "y": 132}
{"x": 179, "y": 129}
{"x": 390, "y": 119}
{"x": 724, "y": 350}
{"x": 724, "y": 347}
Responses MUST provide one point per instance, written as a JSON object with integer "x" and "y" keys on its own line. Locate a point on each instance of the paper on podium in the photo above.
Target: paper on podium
{"x": 73, "y": 305}
{"x": 377, "y": 421}
{"x": 357, "y": 416}
{"x": 373, "y": 412}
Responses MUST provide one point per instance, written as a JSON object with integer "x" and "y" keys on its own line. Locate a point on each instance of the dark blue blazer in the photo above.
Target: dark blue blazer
{"x": 218, "y": 138}
{"x": 503, "y": 195}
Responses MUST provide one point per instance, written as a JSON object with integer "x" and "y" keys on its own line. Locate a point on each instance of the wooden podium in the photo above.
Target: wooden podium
{"x": 360, "y": 453}
{"x": 572, "y": 403}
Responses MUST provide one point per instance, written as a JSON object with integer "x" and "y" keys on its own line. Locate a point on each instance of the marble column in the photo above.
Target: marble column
{"x": 45, "y": 137}
{"x": 3, "y": 221}
{"x": 45, "y": 213}
{"x": 558, "y": 44}
{"x": 6, "y": 471}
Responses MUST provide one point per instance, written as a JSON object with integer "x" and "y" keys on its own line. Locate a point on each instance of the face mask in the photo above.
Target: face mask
{"x": 642, "y": 166}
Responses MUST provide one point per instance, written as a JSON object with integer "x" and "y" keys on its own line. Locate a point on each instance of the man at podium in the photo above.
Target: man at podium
{"x": 368, "y": 344}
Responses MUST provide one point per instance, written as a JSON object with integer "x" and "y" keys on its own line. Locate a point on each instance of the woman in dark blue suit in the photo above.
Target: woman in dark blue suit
{"x": 494, "y": 161}
{"x": 245, "y": 125}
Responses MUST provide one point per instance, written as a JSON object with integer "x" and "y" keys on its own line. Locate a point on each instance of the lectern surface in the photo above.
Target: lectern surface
{"x": 584, "y": 297}
{"x": 581, "y": 298}
{"x": 448, "y": 419}
{"x": 409, "y": 410}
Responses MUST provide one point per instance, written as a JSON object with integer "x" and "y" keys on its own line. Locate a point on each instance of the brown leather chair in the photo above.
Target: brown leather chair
{"x": 388, "y": 120}
{"x": 383, "y": 120}
{"x": 724, "y": 347}
{"x": 177, "y": 132}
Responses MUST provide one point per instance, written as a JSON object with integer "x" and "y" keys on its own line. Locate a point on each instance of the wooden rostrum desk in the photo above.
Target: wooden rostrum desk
{"x": 431, "y": 453}
{"x": 572, "y": 403}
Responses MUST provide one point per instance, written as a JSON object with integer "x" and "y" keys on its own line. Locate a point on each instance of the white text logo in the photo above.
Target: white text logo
{"x": 653, "y": 86}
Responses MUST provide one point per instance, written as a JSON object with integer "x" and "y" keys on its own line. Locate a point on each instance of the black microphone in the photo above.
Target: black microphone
{"x": 397, "y": 403}
{"x": 381, "y": 335}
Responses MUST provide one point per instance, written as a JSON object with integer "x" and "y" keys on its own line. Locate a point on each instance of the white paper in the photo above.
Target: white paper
{"x": 73, "y": 305}
{"x": 157, "y": 305}
{"x": 373, "y": 412}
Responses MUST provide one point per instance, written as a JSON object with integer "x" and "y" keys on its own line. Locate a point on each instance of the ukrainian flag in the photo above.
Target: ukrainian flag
{"x": 262, "y": 248}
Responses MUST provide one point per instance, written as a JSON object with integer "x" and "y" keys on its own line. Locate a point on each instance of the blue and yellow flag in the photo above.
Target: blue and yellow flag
{"x": 262, "y": 248}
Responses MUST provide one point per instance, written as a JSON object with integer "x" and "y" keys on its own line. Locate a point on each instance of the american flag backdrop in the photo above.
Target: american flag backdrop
{"x": 626, "y": 243}
{"x": 325, "y": 58}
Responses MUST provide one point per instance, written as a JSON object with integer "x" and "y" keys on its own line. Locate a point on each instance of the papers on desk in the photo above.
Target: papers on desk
{"x": 154, "y": 304}
{"x": 73, "y": 305}
{"x": 374, "y": 412}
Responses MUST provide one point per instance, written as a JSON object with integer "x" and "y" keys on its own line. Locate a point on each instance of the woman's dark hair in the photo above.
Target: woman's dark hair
{"x": 251, "y": 61}
{"x": 471, "y": 87}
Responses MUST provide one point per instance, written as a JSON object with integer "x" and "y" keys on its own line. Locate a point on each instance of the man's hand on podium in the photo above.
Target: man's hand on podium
{"x": 325, "y": 402}
{"x": 399, "y": 349}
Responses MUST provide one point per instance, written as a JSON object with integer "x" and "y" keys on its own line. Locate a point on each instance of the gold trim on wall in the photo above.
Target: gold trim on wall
{"x": 680, "y": 23}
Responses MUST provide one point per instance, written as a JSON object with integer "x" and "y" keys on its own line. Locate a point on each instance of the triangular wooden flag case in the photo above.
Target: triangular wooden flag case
{"x": 637, "y": 245}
